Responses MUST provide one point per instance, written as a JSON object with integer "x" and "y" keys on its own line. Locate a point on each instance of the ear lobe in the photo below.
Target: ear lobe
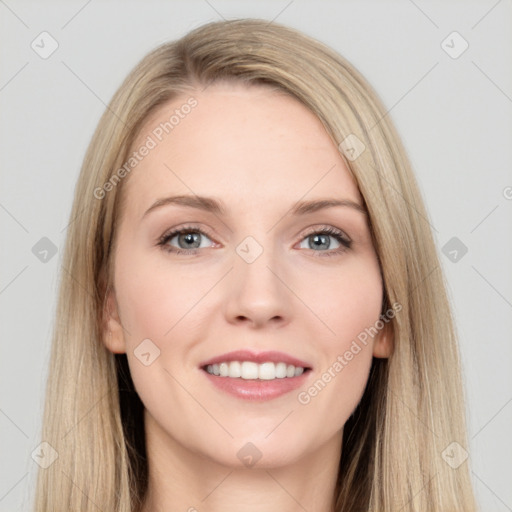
{"x": 384, "y": 342}
{"x": 113, "y": 335}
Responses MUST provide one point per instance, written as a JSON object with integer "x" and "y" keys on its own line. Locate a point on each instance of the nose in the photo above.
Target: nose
{"x": 257, "y": 292}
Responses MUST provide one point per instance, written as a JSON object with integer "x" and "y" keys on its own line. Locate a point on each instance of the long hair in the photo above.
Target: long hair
{"x": 412, "y": 408}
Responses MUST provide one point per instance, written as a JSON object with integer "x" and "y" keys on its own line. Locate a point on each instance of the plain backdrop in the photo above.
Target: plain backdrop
{"x": 452, "y": 106}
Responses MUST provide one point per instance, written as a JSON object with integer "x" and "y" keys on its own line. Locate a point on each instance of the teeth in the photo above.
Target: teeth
{"x": 250, "y": 370}
{"x": 224, "y": 369}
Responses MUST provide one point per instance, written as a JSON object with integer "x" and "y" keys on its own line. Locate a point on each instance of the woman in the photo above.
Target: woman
{"x": 253, "y": 315}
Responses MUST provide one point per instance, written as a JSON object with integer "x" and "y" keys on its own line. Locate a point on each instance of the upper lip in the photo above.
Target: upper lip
{"x": 256, "y": 357}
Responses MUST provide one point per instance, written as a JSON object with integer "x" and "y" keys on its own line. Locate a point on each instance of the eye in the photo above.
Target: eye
{"x": 321, "y": 239}
{"x": 188, "y": 240}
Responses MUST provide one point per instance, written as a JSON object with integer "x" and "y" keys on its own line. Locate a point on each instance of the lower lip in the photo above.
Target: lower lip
{"x": 255, "y": 389}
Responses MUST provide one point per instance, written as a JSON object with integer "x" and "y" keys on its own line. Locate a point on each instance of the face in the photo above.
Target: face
{"x": 251, "y": 271}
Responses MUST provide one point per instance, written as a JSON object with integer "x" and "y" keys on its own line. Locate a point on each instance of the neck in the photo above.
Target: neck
{"x": 187, "y": 481}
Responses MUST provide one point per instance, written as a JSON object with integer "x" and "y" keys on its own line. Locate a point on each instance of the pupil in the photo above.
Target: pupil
{"x": 324, "y": 244}
{"x": 190, "y": 238}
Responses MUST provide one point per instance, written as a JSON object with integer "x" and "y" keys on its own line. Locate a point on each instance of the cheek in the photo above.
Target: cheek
{"x": 154, "y": 300}
{"x": 349, "y": 303}
{"x": 337, "y": 389}
{"x": 153, "y": 297}
{"x": 347, "y": 300}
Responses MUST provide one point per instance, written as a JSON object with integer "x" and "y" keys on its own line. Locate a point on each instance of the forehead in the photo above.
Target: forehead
{"x": 249, "y": 145}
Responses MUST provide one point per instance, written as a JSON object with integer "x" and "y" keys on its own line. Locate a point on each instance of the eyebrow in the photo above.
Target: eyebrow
{"x": 209, "y": 204}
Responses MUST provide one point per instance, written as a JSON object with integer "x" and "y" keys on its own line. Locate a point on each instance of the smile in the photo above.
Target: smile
{"x": 250, "y": 370}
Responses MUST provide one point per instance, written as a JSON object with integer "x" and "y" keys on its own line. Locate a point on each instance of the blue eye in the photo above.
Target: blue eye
{"x": 320, "y": 240}
{"x": 190, "y": 239}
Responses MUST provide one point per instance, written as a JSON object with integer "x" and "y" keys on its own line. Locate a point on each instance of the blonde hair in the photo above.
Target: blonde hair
{"x": 412, "y": 408}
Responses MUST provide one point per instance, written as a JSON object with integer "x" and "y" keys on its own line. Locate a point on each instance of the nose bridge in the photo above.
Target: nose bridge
{"x": 255, "y": 290}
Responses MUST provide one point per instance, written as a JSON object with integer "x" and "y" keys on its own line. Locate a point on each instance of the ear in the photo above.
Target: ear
{"x": 384, "y": 341}
{"x": 113, "y": 334}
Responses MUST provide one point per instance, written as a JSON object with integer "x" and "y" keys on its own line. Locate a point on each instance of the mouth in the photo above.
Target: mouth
{"x": 249, "y": 370}
{"x": 256, "y": 376}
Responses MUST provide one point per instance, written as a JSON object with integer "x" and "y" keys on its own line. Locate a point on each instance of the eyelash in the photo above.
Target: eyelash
{"x": 336, "y": 234}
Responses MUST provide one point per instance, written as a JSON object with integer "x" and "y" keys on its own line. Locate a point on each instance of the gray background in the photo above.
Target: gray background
{"x": 454, "y": 115}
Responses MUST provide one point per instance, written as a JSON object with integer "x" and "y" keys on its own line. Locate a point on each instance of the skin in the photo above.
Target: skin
{"x": 259, "y": 152}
